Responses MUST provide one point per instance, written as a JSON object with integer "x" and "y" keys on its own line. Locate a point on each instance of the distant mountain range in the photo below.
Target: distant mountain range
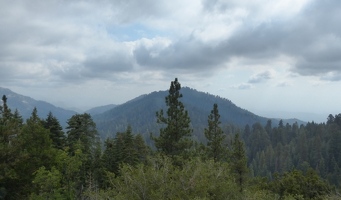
{"x": 25, "y": 106}
{"x": 139, "y": 113}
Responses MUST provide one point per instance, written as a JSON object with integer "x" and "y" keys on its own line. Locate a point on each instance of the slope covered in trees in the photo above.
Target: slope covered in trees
{"x": 261, "y": 161}
{"x": 139, "y": 113}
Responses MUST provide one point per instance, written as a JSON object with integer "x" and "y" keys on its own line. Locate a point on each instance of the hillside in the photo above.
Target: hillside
{"x": 140, "y": 113}
{"x": 100, "y": 109}
{"x": 26, "y": 104}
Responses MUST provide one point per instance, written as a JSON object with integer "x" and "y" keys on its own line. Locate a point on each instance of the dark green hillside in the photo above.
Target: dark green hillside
{"x": 140, "y": 113}
{"x": 100, "y": 109}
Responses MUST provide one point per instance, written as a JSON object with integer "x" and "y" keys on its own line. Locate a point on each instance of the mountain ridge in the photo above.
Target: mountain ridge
{"x": 25, "y": 106}
{"x": 100, "y": 109}
{"x": 139, "y": 113}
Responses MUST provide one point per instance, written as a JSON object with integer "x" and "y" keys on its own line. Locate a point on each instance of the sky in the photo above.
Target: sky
{"x": 274, "y": 58}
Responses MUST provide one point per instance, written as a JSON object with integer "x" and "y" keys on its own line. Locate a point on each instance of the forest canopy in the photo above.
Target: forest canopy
{"x": 40, "y": 160}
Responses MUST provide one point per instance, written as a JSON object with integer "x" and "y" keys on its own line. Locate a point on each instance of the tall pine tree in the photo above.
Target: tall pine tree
{"x": 174, "y": 139}
{"x": 81, "y": 127}
{"x": 10, "y": 156}
{"x": 239, "y": 162}
{"x": 82, "y": 131}
{"x": 56, "y": 131}
{"x": 215, "y": 135}
{"x": 37, "y": 151}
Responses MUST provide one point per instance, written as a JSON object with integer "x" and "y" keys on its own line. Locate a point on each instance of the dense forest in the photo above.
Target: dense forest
{"x": 40, "y": 160}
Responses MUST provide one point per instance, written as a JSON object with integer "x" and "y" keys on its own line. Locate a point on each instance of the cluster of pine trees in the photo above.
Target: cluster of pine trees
{"x": 282, "y": 148}
{"x": 39, "y": 160}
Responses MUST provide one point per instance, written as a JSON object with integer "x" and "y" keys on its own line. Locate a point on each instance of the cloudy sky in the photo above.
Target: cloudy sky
{"x": 275, "y": 58}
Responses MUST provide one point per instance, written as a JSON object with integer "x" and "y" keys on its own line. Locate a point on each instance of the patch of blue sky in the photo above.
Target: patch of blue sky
{"x": 134, "y": 32}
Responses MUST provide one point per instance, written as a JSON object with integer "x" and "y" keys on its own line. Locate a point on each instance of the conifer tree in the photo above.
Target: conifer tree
{"x": 81, "y": 127}
{"x": 6, "y": 111}
{"x": 56, "y": 131}
{"x": 124, "y": 148}
{"x": 174, "y": 139}
{"x": 108, "y": 158}
{"x": 215, "y": 135}
{"x": 10, "y": 128}
{"x": 141, "y": 148}
{"x": 36, "y": 151}
{"x": 82, "y": 131}
{"x": 18, "y": 118}
{"x": 239, "y": 162}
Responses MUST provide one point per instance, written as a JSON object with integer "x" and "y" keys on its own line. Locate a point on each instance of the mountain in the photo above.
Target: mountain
{"x": 100, "y": 109}
{"x": 140, "y": 114}
{"x": 25, "y": 106}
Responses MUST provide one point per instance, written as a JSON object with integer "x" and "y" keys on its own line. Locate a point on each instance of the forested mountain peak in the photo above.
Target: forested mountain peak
{"x": 140, "y": 113}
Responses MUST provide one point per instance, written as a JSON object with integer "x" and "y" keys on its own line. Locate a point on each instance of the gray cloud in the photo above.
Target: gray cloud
{"x": 283, "y": 84}
{"x": 312, "y": 39}
{"x": 243, "y": 86}
{"x": 188, "y": 55}
{"x": 260, "y": 77}
{"x": 72, "y": 41}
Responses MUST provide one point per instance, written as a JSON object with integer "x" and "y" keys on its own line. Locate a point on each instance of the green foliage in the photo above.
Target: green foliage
{"x": 239, "y": 162}
{"x": 63, "y": 180}
{"x": 82, "y": 128}
{"x": 48, "y": 184}
{"x": 299, "y": 185}
{"x": 82, "y": 134}
{"x": 10, "y": 128}
{"x": 162, "y": 180}
{"x": 70, "y": 168}
{"x": 124, "y": 148}
{"x": 35, "y": 150}
{"x": 37, "y": 162}
{"x": 174, "y": 139}
{"x": 215, "y": 136}
{"x": 56, "y": 131}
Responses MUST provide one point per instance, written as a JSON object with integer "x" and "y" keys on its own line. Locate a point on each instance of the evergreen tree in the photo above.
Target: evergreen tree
{"x": 108, "y": 158}
{"x": 6, "y": 111}
{"x": 36, "y": 151}
{"x": 124, "y": 148}
{"x": 10, "y": 156}
{"x": 18, "y": 118}
{"x": 56, "y": 131}
{"x": 174, "y": 139}
{"x": 82, "y": 133}
{"x": 141, "y": 148}
{"x": 124, "y": 151}
{"x": 215, "y": 135}
{"x": 246, "y": 133}
{"x": 81, "y": 127}
{"x": 239, "y": 162}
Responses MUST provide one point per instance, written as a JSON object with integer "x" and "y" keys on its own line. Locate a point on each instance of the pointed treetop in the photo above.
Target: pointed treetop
{"x": 175, "y": 86}
{"x": 4, "y": 98}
